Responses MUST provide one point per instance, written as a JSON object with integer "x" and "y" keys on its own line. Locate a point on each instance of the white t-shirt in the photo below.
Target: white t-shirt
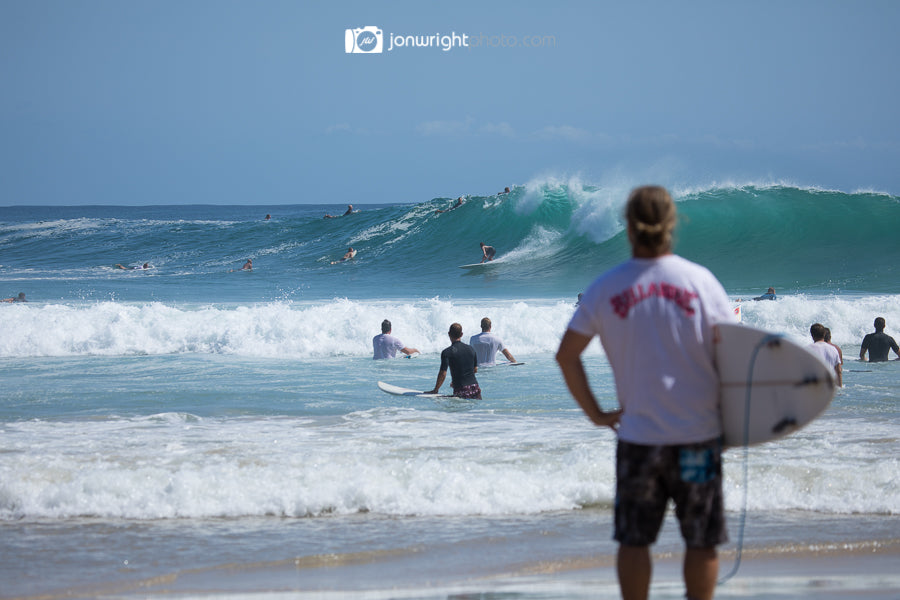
{"x": 486, "y": 345}
{"x": 385, "y": 346}
{"x": 828, "y": 353}
{"x": 655, "y": 320}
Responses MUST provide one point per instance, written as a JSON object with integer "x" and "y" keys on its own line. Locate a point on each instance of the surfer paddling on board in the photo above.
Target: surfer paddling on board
{"x": 825, "y": 350}
{"x": 248, "y": 266}
{"x": 769, "y": 295}
{"x": 349, "y": 211}
{"x": 487, "y": 345}
{"x": 878, "y": 344}
{"x": 19, "y": 298}
{"x": 386, "y": 346}
{"x": 655, "y": 315}
{"x": 347, "y": 256}
{"x": 462, "y": 361}
{"x": 488, "y": 252}
{"x": 140, "y": 268}
{"x": 459, "y": 202}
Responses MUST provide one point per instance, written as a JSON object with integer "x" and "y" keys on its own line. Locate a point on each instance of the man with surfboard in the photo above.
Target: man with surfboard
{"x": 655, "y": 315}
{"x": 462, "y": 361}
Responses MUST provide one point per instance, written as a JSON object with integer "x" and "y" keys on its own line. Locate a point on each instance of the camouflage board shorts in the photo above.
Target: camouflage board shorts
{"x": 472, "y": 392}
{"x": 691, "y": 475}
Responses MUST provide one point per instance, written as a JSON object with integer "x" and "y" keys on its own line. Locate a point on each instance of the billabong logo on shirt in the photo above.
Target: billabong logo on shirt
{"x": 624, "y": 302}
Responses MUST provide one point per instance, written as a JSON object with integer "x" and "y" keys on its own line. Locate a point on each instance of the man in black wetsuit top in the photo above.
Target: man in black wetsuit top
{"x": 878, "y": 344}
{"x": 462, "y": 361}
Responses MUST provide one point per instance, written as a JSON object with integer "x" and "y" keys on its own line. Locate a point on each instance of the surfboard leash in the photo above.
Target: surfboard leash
{"x": 769, "y": 340}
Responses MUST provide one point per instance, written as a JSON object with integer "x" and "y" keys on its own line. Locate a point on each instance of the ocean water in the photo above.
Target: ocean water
{"x": 205, "y": 429}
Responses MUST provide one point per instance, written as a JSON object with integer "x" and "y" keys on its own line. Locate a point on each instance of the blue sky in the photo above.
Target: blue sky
{"x": 239, "y": 102}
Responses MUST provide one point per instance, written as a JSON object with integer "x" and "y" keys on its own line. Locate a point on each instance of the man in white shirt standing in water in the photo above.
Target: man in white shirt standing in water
{"x": 487, "y": 345}
{"x": 386, "y": 346}
{"x": 827, "y": 351}
{"x": 655, "y": 315}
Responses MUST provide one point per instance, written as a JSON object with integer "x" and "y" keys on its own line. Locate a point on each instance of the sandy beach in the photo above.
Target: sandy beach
{"x": 867, "y": 572}
{"x": 555, "y": 557}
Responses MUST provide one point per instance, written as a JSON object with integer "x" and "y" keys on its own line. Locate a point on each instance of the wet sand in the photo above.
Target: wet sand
{"x": 828, "y": 570}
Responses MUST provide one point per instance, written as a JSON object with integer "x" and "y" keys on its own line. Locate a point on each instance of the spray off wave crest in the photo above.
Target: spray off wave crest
{"x": 750, "y": 235}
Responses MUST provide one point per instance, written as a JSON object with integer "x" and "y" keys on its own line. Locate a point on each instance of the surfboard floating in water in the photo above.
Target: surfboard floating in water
{"x": 504, "y": 363}
{"x": 769, "y": 385}
{"x": 396, "y": 390}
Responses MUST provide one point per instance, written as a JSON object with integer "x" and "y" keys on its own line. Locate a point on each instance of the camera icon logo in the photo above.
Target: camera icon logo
{"x": 363, "y": 40}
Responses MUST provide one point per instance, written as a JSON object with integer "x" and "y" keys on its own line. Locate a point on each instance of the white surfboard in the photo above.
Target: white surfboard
{"x": 396, "y": 390}
{"x": 504, "y": 363}
{"x": 476, "y": 266}
{"x": 770, "y": 386}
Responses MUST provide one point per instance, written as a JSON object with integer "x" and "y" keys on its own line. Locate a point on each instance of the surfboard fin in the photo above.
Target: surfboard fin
{"x": 787, "y": 423}
{"x": 814, "y": 380}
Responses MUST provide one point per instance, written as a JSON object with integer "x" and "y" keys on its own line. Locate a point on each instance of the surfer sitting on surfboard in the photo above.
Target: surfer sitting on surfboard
{"x": 655, "y": 315}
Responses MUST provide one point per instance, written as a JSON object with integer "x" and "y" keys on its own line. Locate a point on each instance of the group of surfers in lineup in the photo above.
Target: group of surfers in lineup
{"x": 877, "y": 345}
{"x": 821, "y": 344}
{"x": 488, "y": 252}
{"x": 461, "y": 359}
